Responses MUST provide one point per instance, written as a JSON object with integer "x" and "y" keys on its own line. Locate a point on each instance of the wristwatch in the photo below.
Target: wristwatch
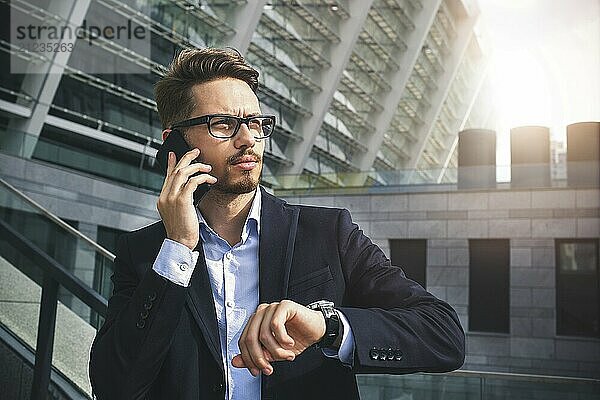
{"x": 334, "y": 329}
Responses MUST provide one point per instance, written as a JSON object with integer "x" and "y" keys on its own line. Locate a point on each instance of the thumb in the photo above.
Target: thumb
{"x": 238, "y": 361}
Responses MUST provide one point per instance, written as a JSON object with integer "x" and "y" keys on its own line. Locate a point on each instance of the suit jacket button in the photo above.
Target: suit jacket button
{"x": 148, "y": 305}
{"x": 374, "y": 354}
{"x": 382, "y": 354}
{"x": 390, "y": 354}
{"x": 398, "y": 355}
{"x": 140, "y": 324}
{"x": 144, "y": 314}
{"x": 151, "y": 297}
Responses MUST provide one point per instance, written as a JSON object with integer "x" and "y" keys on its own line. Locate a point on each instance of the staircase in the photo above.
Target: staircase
{"x": 48, "y": 315}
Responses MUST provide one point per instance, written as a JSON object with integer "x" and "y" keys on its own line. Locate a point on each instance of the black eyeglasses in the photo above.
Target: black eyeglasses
{"x": 224, "y": 126}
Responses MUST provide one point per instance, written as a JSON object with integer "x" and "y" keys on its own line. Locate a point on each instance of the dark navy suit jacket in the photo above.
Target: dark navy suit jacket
{"x": 161, "y": 341}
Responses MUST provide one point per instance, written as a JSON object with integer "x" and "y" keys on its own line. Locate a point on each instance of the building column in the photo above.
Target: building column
{"x": 41, "y": 81}
{"x": 457, "y": 52}
{"x": 329, "y": 80}
{"x": 246, "y": 20}
{"x": 398, "y": 81}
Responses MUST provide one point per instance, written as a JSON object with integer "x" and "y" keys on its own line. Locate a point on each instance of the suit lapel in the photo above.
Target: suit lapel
{"x": 201, "y": 305}
{"x": 278, "y": 223}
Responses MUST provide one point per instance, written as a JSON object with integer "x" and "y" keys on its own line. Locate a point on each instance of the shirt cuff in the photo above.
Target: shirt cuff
{"x": 175, "y": 262}
{"x": 346, "y": 352}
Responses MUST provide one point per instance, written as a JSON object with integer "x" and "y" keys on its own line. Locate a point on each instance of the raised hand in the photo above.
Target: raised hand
{"x": 175, "y": 203}
{"x": 276, "y": 332}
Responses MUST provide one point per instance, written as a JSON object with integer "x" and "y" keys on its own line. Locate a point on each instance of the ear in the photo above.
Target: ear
{"x": 165, "y": 133}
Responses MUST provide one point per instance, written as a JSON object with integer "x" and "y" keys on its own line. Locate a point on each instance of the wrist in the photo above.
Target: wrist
{"x": 322, "y": 326}
{"x": 190, "y": 244}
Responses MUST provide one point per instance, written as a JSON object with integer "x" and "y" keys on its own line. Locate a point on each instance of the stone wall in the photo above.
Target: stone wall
{"x": 531, "y": 220}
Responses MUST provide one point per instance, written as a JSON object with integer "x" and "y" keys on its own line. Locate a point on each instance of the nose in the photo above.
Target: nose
{"x": 244, "y": 137}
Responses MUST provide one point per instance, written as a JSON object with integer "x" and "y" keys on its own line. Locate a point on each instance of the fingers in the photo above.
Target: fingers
{"x": 194, "y": 182}
{"x": 267, "y": 337}
{"x": 253, "y": 343}
{"x": 181, "y": 177}
{"x": 179, "y": 174}
{"x": 171, "y": 163}
{"x": 277, "y": 326}
{"x": 238, "y": 361}
{"x": 259, "y": 345}
{"x": 250, "y": 348}
{"x": 185, "y": 160}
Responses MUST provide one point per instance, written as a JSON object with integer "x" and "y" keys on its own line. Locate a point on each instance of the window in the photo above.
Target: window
{"x": 489, "y": 266}
{"x": 577, "y": 287}
{"x": 411, "y": 256}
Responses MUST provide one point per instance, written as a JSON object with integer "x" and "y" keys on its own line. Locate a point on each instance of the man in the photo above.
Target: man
{"x": 217, "y": 300}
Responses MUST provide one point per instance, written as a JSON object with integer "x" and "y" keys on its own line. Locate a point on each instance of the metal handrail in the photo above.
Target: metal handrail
{"x": 519, "y": 376}
{"x": 58, "y": 220}
{"x": 54, "y": 275}
{"x": 55, "y": 270}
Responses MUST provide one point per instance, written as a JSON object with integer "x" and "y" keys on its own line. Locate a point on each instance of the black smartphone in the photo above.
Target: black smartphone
{"x": 177, "y": 144}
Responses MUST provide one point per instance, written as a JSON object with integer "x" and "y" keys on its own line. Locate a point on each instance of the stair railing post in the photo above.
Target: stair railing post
{"x": 45, "y": 339}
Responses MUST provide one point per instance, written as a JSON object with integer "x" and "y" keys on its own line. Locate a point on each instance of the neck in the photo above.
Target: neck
{"x": 226, "y": 213}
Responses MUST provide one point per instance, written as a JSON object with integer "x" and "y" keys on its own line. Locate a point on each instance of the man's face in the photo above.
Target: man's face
{"x": 236, "y": 162}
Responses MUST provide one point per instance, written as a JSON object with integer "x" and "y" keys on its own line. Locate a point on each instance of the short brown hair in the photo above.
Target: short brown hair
{"x": 173, "y": 92}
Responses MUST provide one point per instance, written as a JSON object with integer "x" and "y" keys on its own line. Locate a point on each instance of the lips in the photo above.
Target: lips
{"x": 246, "y": 162}
{"x": 245, "y": 159}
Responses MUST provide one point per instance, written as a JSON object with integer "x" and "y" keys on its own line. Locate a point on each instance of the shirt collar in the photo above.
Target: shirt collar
{"x": 253, "y": 215}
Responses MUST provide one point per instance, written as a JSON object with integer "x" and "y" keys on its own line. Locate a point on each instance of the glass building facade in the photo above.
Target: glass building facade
{"x": 359, "y": 88}
{"x": 366, "y": 93}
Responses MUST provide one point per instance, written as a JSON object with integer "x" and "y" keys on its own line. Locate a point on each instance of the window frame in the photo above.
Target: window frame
{"x": 559, "y": 330}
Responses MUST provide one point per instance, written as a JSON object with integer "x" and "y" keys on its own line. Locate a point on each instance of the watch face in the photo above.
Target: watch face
{"x": 317, "y": 305}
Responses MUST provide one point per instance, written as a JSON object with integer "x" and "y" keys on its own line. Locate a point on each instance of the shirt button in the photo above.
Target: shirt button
{"x": 183, "y": 266}
{"x": 230, "y": 304}
{"x": 228, "y": 256}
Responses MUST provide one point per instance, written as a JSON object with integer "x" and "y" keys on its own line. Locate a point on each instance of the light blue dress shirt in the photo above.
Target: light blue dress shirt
{"x": 233, "y": 273}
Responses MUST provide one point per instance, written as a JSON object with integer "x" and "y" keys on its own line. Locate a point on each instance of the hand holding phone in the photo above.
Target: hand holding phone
{"x": 176, "y": 204}
{"x": 177, "y": 144}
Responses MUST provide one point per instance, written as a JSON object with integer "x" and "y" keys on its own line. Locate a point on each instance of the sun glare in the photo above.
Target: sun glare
{"x": 522, "y": 88}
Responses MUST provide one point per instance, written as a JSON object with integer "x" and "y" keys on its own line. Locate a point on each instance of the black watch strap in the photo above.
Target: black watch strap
{"x": 334, "y": 329}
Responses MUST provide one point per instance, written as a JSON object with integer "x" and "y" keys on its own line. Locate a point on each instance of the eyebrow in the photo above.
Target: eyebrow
{"x": 252, "y": 114}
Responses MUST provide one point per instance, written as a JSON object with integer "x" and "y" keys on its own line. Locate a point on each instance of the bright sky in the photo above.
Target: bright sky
{"x": 545, "y": 66}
